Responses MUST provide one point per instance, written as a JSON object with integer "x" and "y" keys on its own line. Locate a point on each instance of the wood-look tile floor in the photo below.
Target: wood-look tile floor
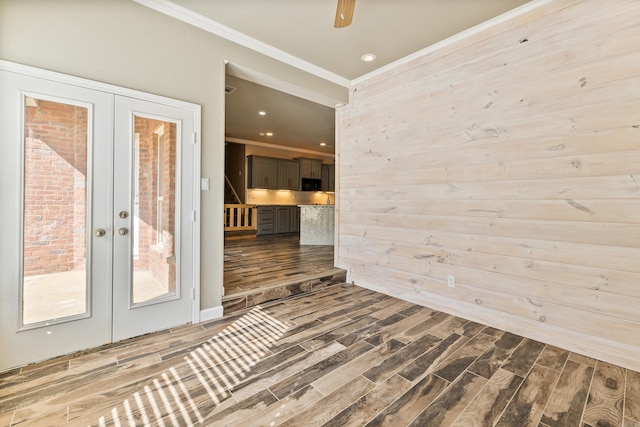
{"x": 339, "y": 356}
{"x": 266, "y": 261}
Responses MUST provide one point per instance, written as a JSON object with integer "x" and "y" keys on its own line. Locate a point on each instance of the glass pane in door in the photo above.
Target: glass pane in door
{"x": 154, "y": 199}
{"x": 55, "y": 211}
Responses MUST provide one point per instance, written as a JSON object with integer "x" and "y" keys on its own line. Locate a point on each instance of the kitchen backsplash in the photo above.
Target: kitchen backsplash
{"x": 285, "y": 197}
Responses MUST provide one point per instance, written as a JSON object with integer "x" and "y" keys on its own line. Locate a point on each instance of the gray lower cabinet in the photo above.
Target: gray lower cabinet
{"x": 295, "y": 220}
{"x": 283, "y": 219}
{"x": 278, "y": 219}
{"x": 266, "y": 216}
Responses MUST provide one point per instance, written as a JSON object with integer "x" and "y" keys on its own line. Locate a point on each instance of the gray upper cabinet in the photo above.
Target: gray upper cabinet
{"x": 263, "y": 172}
{"x": 328, "y": 178}
{"x": 310, "y": 168}
{"x": 288, "y": 175}
{"x": 273, "y": 174}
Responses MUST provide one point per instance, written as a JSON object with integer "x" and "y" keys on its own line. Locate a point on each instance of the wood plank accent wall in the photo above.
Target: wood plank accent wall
{"x": 510, "y": 160}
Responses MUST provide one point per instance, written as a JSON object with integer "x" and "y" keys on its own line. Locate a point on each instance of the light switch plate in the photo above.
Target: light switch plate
{"x": 204, "y": 183}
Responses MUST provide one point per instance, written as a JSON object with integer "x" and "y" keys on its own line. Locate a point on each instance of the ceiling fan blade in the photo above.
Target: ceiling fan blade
{"x": 344, "y": 13}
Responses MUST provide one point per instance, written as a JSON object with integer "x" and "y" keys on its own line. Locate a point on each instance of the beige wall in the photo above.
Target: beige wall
{"x": 510, "y": 160}
{"x": 123, "y": 43}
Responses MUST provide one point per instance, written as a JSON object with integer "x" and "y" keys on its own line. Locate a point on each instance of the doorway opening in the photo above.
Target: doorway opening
{"x": 274, "y": 132}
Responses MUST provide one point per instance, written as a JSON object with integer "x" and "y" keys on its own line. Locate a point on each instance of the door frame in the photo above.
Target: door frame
{"x": 196, "y": 167}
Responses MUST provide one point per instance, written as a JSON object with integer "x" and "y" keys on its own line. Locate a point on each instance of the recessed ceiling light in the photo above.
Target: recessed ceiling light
{"x": 368, "y": 57}
{"x": 269, "y": 133}
{"x": 262, "y": 113}
{"x": 323, "y": 144}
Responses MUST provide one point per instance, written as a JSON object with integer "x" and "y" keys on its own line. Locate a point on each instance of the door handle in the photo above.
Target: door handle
{"x": 123, "y": 231}
{"x": 100, "y": 232}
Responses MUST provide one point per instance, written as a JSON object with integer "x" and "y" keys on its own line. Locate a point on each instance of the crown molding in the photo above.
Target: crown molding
{"x": 285, "y": 86}
{"x": 278, "y": 147}
{"x": 527, "y": 7}
{"x": 185, "y": 15}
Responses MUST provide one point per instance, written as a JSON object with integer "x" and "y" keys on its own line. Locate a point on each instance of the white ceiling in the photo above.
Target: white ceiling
{"x": 301, "y": 32}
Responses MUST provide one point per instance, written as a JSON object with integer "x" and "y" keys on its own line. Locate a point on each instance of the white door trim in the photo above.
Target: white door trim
{"x": 92, "y": 84}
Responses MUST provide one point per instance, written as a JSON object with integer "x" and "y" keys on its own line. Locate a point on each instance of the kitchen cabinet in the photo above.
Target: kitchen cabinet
{"x": 310, "y": 168}
{"x": 273, "y": 174}
{"x": 278, "y": 219}
{"x": 283, "y": 219}
{"x": 288, "y": 175}
{"x": 263, "y": 172}
{"x": 266, "y": 216}
{"x": 294, "y": 224}
{"x": 328, "y": 178}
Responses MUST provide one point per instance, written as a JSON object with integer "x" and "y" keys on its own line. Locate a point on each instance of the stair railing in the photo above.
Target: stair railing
{"x": 232, "y": 189}
{"x": 240, "y": 217}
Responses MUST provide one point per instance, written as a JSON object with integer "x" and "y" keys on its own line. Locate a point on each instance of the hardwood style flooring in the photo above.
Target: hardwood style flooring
{"x": 264, "y": 261}
{"x": 338, "y": 356}
{"x": 267, "y": 268}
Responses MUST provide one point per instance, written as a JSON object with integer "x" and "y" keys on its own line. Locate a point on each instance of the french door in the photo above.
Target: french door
{"x": 97, "y": 210}
{"x": 153, "y": 243}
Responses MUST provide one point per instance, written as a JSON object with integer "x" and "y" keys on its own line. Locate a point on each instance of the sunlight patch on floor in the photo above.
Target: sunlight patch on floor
{"x": 209, "y": 372}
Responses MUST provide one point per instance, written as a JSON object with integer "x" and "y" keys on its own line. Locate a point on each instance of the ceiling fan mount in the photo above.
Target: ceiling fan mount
{"x": 344, "y": 13}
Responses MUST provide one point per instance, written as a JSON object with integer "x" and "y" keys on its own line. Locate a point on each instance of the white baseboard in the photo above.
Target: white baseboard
{"x": 211, "y": 313}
